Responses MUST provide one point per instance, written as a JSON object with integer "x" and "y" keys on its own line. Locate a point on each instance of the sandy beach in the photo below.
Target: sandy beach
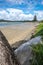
{"x": 17, "y": 33}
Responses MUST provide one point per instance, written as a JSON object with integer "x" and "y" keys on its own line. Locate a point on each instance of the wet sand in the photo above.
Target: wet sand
{"x": 17, "y": 33}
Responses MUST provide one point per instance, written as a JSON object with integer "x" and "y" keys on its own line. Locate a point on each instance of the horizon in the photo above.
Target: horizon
{"x": 21, "y": 9}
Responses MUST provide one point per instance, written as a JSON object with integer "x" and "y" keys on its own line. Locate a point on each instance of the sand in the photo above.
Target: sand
{"x": 17, "y": 33}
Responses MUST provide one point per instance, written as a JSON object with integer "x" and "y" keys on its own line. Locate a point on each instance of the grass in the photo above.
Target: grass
{"x": 37, "y": 50}
{"x": 39, "y": 31}
{"x": 37, "y": 58}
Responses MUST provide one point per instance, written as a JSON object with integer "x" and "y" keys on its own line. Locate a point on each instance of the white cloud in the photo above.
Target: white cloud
{"x": 39, "y": 14}
{"x": 16, "y": 1}
{"x": 14, "y": 14}
{"x": 26, "y": 16}
{"x": 30, "y": 4}
{"x": 42, "y": 2}
{"x": 3, "y": 14}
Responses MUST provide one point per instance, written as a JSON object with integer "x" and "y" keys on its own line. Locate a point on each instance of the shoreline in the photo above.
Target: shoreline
{"x": 17, "y": 33}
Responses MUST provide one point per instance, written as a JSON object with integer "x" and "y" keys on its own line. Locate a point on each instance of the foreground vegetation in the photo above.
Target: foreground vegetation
{"x": 37, "y": 50}
{"x": 39, "y": 30}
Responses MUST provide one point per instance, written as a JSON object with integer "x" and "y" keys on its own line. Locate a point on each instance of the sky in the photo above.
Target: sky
{"x": 21, "y": 9}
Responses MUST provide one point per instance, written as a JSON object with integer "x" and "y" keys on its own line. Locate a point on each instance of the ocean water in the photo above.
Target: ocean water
{"x": 14, "y": 25}
{"x": 5, "y": 24}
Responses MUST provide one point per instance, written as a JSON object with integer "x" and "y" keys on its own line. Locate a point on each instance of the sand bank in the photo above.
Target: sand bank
{"x": 17, "y": 33}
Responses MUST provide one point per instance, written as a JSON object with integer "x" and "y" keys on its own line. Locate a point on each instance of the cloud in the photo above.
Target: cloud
{"x": 29, "y": 4}
{"x": 26, "y": 17}
{"x": 16, "y": 1}
{"x": 14, "y": 14}
{"x": 39, "y": 14}
{"x": 22, "y": 1}
{"x": 17, "y": 14}
{"x": 3, "y": 14}
{"x": 42, "y": 2}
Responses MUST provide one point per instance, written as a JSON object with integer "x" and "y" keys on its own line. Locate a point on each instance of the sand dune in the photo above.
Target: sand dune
{"x": 16, "y": 33}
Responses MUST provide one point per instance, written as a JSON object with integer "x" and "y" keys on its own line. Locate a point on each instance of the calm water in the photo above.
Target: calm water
{"x": 21, "y": 25}
{"x": 5, "y": 24}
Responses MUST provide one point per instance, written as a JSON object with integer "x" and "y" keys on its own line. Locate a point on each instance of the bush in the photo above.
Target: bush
{"x": 37, "y": 52}
{"x": 39, "y": 30}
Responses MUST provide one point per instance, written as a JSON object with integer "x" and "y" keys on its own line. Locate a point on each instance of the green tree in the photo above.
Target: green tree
{"x": 35, "y": 18}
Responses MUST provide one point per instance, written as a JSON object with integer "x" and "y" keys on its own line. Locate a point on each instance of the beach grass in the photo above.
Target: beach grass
{"x": 39, "y": 30}
{"x": 37, "y": 51}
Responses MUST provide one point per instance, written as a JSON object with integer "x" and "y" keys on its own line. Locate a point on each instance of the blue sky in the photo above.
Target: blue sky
{"x": 21, "y": 9}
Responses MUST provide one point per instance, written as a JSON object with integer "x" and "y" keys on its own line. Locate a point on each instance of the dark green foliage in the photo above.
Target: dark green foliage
{"x": 37, "y": 51}
{"x": 35, "y": 19}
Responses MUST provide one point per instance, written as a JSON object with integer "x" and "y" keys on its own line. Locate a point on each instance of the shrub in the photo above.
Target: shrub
{"x": 39, "y": 31}
{"x": 37, "y": 52}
